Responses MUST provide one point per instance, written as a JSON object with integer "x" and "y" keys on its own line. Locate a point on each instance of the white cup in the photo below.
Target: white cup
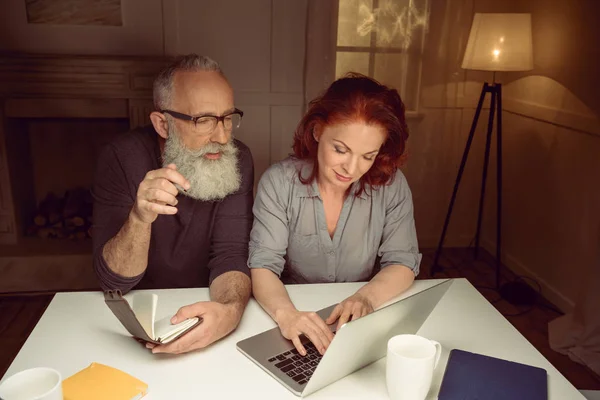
{"x": 33, "y": 384}
{"x": 410, "y": 362}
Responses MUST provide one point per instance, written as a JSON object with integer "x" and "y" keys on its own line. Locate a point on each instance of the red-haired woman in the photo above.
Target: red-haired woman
{"x": 338, "y": 210}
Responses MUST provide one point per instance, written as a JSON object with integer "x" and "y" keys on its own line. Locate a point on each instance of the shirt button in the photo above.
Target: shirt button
{"x": 331, "y": 252}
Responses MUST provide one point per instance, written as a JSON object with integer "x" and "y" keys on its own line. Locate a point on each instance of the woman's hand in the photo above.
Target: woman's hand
{"x": 352, "y": 308}
{"x": 294, "y": 323}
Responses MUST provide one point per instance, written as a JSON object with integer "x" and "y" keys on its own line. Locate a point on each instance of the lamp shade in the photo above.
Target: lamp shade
{"x": 499, "y": 42}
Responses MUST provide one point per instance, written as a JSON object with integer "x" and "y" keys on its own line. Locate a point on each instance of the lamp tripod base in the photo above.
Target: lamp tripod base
{"x": 518, "y": 293}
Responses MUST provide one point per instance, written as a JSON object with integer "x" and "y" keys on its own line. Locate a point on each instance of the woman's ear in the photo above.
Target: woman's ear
{"x": 317, "y": 133}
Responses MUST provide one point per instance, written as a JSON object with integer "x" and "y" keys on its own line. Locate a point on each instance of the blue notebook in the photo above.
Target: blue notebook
{"x": 471, "y": 376}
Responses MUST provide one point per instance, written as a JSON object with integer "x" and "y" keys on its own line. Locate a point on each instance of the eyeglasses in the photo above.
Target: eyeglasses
{"x": 206, "y": 124}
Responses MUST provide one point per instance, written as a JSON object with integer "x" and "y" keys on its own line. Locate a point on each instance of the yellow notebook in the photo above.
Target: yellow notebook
{"x": 101, "y": 382}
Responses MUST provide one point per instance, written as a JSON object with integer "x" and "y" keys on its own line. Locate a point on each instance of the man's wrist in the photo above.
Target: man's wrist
{"x": 136, "y": 221}
{"x": 234, "y": 311}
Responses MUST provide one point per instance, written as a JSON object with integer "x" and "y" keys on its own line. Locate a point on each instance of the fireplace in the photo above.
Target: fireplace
{"x": 53, "y": 161}
{"x": 56, "y": 113}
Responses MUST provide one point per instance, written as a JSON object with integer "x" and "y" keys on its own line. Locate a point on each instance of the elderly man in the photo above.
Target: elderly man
{"x": 173, "y": 201}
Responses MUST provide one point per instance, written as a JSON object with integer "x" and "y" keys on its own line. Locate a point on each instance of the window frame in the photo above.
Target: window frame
{"x": 373, "y": 50}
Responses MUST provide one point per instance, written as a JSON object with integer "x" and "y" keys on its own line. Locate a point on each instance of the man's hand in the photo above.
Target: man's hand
{"x": 293, "y": 323}
{"x": 218, "y": 321}
{"x": 352, "y": 308}
{"x": 156, "y": 194}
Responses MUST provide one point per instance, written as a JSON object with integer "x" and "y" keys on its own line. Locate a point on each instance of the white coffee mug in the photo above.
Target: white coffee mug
{"x": 33, "y": 384}
{"x": 410, "y": 362}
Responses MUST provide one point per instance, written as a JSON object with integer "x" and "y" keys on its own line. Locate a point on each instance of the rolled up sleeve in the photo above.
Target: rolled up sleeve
{"x": 233, "y": 221}
{"x": 113, "y": 200}
{"x": 269, "y": 236}
{"x": 399, "y": 245}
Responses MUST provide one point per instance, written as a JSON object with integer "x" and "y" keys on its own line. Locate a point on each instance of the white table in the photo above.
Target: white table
{"x": 78, "y": 329}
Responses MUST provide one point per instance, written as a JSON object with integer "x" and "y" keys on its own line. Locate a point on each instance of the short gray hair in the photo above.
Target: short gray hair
{"x": 163, "y": 84}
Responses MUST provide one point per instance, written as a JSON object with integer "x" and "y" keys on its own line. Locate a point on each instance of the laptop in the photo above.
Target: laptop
{"x": 356, "y": 344}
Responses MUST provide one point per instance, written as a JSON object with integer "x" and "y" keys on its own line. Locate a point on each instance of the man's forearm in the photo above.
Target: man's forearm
{"x": 387, "y": 284}
{"x": 232, "y": 288}
{"x": 126, "y": 253}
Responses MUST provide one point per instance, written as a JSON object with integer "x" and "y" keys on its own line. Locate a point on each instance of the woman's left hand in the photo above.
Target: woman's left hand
{"x": 352, "y": 308}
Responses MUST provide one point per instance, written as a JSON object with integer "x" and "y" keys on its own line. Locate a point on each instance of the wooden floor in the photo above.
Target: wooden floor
{"x": 19, "y": 314}
{"x": 18, "y": 317}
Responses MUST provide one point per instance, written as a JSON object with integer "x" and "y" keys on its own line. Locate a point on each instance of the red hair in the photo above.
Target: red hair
{"x": 356, "y": 98}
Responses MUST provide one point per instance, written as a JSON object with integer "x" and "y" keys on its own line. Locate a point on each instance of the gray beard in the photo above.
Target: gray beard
{"x": 209, "y": 179}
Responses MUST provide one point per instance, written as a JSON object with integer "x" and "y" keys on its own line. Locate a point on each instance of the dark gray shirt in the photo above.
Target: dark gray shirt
{"x": 289, "y": 234}
{"x": 189, "y": 249}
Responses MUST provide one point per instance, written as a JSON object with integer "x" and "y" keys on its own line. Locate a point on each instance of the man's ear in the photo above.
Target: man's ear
{"x": 159, "y": 121}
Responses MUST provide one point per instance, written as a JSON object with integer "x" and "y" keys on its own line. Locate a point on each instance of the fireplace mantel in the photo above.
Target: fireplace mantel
{"x": 59, "y": 76}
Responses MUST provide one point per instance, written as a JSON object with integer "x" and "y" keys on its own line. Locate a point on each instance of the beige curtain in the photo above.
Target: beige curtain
{"x": 577, "y": 334}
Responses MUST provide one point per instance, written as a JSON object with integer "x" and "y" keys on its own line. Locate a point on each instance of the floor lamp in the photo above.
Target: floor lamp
{"x": 497, "y": 43}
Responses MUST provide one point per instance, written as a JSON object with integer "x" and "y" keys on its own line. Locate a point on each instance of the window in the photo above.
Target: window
{"x": 383, "y": 39}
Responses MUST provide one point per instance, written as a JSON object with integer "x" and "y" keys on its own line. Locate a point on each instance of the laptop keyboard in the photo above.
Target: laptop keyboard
{"x": 299, "y": 368}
